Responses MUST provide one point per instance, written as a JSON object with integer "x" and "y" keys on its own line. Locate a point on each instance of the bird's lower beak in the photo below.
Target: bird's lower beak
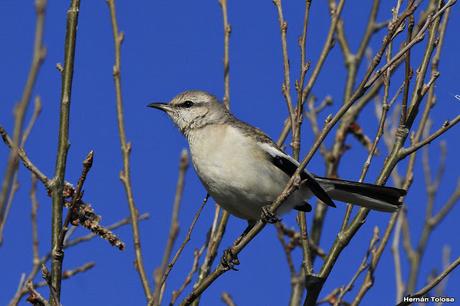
{"x": 161, "y": 106}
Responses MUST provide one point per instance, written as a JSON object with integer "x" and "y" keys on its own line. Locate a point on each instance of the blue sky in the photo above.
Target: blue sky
{"x": 171, "y": 46}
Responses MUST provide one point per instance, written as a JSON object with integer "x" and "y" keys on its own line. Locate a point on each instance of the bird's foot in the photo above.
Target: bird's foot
{"x": 229, "y": 260}
{"x": 267, "y": 216}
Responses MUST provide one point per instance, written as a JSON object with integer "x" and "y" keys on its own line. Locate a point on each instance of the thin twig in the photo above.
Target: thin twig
{"x": 445, "y": 127}
{"x": 215, "y": 238}
{"x": 125, "y": 174}
{"x": 71, "y": 273}
{"x": 182, "y": 246}
{"x": 446, "y": 250}
{"x": 397, "y": 258}
{"x": 362, "y": 267}
{"x": 35, "y": 205}
{"x": 125, "y": 221}
{"x": 25, "y": 136}
{"x": 35, "y": 298}
{"x": 54, "y": 299}
{"x": 173, "y": 230}
{"x": 196, "y": 257}
{"x": 227, "y": 299}
{"x": 20, "y": 109}
{"x": 286, "y": 248}
{"x": 25, "y": 159}
{"x": 286, "y": 87}
{"x": 227, "y": 32}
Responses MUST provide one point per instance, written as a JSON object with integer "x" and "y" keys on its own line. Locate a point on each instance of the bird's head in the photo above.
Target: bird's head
{"x": 193, "y": 109}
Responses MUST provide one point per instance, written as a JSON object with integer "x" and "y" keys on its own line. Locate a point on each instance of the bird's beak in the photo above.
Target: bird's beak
{"x": 161, "y": 106}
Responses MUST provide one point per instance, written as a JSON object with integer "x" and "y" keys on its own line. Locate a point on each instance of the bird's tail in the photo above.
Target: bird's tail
{"x": 381, "y": 198}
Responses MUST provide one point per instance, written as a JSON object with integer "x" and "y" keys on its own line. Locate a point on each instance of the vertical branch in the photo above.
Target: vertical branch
{"x": 33, "y": 216}
{"x": 286, "y": 87}
{"x": 301, "y": 217}
{"x": 214, "y": 242}
{"x": 227, "y": 32}
{"x": 125, "y": 175}
{"x": 87, "y": 164}
{"x": 304, "y": 65}
{"x": 397, "y": 258}
{"x": 295, "y": 116}
{"x": 15, "y": 186}
{"x": 63, "y": 145}
{"x": 20, "y": 109}
{"x": 422, "y": 70}
{"x": 169, "y": 267}
{"x": 173, "y": 230}
{"x": 335, "y": 15}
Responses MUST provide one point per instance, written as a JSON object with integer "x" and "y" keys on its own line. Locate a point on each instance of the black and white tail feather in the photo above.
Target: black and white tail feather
{"x": 381, "y": 198}
{"x": 375, "y": 197}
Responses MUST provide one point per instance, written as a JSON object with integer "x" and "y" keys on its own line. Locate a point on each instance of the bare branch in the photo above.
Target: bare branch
{"x": 20, "y": 110}
{"x": 397, "y": 258}
{"x": 71, "y": 273}
{"x": 227, "y": 32}
{"x": 196, "y": 257}
{"x": 286, "y": 87}
{"x": 35, "y": 297}
{"x": 181, "y": 248}
{"x": 227, "y": 299}
{"x": 173, "y": 230}
{"x": 125, "y": 174}
{"x": 365, "y": 265}
{"x": 25, "y": 159}
{"x": 35, "y": 241}
{"x": 63, "y": 146}
{"x": 445, "y": 127}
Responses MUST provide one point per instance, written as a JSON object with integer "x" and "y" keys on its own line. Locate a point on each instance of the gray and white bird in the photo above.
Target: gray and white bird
{"x": 244, "y": 170}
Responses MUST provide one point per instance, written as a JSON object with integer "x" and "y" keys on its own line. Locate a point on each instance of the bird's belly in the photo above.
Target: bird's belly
{"x": 241, "y": 187}
{"x": 237, "y": 173}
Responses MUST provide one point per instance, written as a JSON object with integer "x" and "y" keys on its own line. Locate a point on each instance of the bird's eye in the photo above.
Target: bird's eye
{"x": 187, "y": 104}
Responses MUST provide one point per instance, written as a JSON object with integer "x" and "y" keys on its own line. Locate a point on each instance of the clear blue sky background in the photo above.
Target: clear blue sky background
{"x": 171, "y": 46}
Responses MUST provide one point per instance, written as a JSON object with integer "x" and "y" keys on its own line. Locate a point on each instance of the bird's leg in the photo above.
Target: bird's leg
{"x": 267, "y": 216}
{"x": 229, "y": 259}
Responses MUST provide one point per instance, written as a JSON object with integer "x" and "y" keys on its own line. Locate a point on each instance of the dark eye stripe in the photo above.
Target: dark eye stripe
{"x": 186, "y": 104}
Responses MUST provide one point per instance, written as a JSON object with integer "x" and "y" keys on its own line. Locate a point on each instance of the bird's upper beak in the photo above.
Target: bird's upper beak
{"x": 161, "y": 106}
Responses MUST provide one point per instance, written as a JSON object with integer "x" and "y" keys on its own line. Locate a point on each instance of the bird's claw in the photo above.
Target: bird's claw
{"x": 229, "y": 260}
{"x": 267, "y": 216}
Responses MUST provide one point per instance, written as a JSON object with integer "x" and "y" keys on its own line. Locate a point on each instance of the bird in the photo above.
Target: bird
{"x": 244, "y": 170}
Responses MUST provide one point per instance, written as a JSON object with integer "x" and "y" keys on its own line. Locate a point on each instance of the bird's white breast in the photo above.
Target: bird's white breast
{"x": 235, "y": 170}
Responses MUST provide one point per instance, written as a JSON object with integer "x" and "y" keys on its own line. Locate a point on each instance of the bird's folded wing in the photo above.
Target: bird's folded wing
{"x": 289, "y": 165}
